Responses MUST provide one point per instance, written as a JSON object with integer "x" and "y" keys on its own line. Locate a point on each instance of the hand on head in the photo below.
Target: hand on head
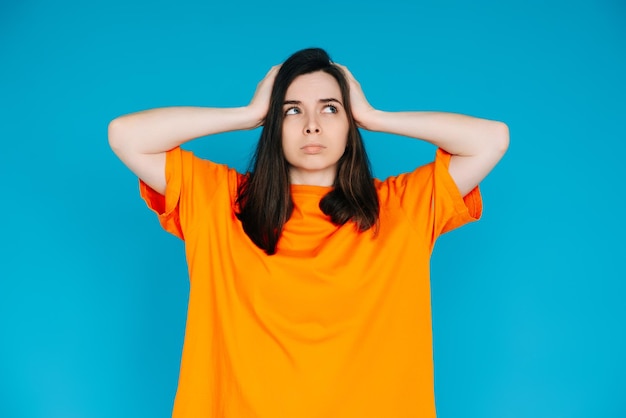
{"x": 361, "y": 109}
{"x": 260, "y": 102}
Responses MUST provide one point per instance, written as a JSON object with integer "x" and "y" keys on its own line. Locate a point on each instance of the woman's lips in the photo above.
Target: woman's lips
{"x": 313, "y": 148}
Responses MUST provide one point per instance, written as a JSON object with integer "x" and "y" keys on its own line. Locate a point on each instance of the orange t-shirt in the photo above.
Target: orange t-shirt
{"x": 336, "y": 324}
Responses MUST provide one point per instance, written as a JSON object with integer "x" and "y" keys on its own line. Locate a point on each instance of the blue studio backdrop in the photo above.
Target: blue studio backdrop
{"x": 528, "y": 311}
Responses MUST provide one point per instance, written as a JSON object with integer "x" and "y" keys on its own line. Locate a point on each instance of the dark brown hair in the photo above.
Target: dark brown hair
{"x": 264, "y": 196}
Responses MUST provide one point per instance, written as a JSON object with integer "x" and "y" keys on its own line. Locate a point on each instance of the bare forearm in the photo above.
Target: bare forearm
{"x": 457, "y": 134}
{"x": 476, "y": 144}
{"x": 159, "y": 130}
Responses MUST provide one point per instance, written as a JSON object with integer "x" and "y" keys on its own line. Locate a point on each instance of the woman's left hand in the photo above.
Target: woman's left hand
{"x": 362, "y": 111}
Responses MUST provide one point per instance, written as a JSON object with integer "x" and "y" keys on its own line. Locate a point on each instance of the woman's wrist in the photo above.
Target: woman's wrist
{"x": 252, "y": 117}
{"x": 373, "y": 120}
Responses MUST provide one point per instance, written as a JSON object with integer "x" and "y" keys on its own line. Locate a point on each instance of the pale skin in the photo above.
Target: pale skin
{"x": 315, "y": 129}
{"x": 141, "y": 139}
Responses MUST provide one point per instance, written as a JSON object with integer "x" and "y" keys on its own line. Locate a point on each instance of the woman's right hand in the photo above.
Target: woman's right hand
{"x": 259, "y": 105}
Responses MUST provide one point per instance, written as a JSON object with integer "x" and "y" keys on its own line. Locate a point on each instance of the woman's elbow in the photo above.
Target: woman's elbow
{"x": 500, "y": 137}
{"x": 116, "y": 133}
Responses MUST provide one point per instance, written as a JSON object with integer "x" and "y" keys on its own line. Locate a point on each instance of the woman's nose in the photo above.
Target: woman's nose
{"x": 312, "y": 127}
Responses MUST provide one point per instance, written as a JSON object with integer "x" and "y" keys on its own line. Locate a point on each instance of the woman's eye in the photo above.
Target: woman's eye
{"x": 330, "y": 109}
{"x": 292, "y": 111}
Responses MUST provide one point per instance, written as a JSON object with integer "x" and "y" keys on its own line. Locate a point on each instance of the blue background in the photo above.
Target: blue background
{"x": 528, "y": 304}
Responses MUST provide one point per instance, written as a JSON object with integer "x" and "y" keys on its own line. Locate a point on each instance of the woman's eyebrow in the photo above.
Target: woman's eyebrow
{"x": 331, "y": 99}
{"x": 298, "y": 102}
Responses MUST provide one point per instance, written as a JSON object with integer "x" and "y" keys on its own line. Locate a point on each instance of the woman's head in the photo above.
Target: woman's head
{"x": 296, "y": 117}
{"x": 264, "y": 196}
{"x": 314, "y": 129}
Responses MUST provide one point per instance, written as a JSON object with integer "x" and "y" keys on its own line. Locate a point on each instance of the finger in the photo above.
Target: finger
{"x": 272, "y": 71}
{"x": 345, "y": 70}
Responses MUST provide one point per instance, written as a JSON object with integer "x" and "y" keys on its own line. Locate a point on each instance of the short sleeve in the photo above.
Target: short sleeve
{"x": 430, "y": 197}
{"x": 190, "y": 183}
{"x": 166, "y": 206}
{"x": 464, "y": 209}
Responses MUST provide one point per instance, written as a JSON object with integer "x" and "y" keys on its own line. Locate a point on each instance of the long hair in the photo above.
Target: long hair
{"x": 264, "y": 196}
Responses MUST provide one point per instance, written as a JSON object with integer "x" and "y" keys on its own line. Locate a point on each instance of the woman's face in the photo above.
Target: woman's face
{"x": 315, "y": 129}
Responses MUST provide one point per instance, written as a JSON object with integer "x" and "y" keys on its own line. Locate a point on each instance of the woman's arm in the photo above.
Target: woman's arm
{"x": 476, "y": 144}
{"x": 141, "y": 139}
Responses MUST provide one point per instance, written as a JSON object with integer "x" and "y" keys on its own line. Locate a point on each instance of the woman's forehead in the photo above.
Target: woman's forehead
{"x": 314, "y": 86}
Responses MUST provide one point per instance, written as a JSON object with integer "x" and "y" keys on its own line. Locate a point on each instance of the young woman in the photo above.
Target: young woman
{"x": 309, "y": 292}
